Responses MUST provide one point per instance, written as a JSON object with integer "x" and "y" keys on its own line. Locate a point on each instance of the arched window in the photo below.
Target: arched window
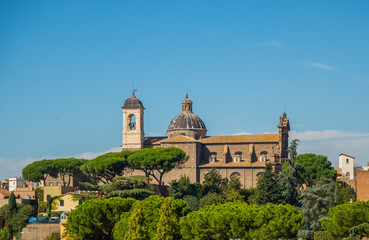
{"x": 132, "y": 122}
{"x": 236, "y": 174}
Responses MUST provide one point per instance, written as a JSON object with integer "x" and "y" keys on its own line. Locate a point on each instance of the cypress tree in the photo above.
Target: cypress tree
{"x": 168, "y": 225}
{"x": 137, "y": 229}
{"x": 12, "y": 204}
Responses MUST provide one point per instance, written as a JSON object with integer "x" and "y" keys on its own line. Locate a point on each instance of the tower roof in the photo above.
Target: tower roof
{"x": 132, "y": 102}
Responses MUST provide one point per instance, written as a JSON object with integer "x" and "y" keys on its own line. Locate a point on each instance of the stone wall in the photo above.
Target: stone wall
{"x": 39, "y": 231}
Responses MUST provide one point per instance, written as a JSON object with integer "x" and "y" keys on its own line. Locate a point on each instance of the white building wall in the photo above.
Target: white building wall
{"x": 346, "y": 164}
{"x": 16, "y": 182}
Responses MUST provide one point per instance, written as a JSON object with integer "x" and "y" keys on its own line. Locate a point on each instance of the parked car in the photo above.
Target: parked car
{"x": 43, "y": 219}
{"x": 32, "y": 220}
{"x": 54, "y": 220}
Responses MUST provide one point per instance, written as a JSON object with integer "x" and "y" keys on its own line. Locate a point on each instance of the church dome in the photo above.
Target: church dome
{"x": 132, "y": 102}
{"x": 186, "y": 121}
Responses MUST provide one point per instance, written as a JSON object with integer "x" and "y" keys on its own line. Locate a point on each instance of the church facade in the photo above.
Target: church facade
{"x": 241, "y": 155}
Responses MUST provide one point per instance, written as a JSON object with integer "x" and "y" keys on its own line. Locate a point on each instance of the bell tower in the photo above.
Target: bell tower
{"x": 284, "y": 128}
{"x": 133, "y": 124}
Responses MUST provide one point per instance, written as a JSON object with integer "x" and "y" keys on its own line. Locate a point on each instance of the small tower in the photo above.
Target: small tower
{"x": 346, "y": 165}
{"x": 284, "y": 128}
{"x": 133, "y": 124}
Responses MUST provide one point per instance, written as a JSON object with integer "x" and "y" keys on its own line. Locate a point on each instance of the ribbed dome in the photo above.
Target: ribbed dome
{"x": 132, "y": 102}
{"x": 186, "y": 121}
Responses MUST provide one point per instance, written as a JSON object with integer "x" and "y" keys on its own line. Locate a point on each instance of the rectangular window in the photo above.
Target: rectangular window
{"x": 58, "y": 184}
{"x": 348, "y": 175}
{"x": 66, "y": 184}
{"x": 237, "y": 159}
{"x": 262, "y": 159}
{"x": 61, "y": 203}
{"x": 50, "y": 183}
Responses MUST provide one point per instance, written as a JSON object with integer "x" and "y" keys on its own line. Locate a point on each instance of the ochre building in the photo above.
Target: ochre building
{"x": 241, "y": 155}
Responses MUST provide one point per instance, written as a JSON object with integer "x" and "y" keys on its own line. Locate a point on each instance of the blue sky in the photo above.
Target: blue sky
{"x": 66, "y": 68}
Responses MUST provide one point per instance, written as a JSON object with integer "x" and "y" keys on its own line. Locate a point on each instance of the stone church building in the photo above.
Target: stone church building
{"x": 241, "y": 155}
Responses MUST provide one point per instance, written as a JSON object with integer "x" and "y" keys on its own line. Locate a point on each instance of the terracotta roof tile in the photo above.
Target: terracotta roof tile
{"x": 241, "y": 138}
{"x": 153, "y": 140}
{"x": 177, "y": 139}
{"x": 347, "y": 155}
{"x": 5, "y": 193}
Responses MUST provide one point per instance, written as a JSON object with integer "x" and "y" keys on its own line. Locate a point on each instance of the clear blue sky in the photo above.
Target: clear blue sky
{"x": 66, "y": 68}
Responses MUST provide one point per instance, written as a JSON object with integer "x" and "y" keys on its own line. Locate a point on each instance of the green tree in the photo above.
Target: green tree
{"x": 107, "y": 166}
{"x": 15, "y": 221}
{"x": 183, "y": 187}
{"x": 347, "y": 194}
{"x": 292, "y": 177}
{"x": 240, "y": 220}
{"x": 342, "y": 218}
{"x": 137, "y": 187}
{"x": 155, "y": 162}
{"x": 211, "y": 198}
{"x": 168, "y": 225}
{"x": 137, "y": 229}
{"x": 5, "y": 234}
{"x": 315, "y": 166}
{"x": 151, "y": 210}
{"x": 192, "y": 201}
{"x": 40, "y": 170}
{"x": 68, "y": 167}
{"x": 268, "y": 188}
{"x": 315, "y": 203}
{"x": 13, "y": 209}
{"x": 213, "y": 182}
{"x": 96, "y": 218}
{"x": 53, "y": 236}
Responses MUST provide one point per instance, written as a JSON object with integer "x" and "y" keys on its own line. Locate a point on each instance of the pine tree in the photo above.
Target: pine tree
{"x": 268, "y": 189}
{"x": 137, "y": 229}
{"x": 168, "y": 225}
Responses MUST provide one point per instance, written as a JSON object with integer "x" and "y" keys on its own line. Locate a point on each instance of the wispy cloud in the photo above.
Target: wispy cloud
{"x": 331, "y": 143}
{"x": 326, "y": 134}
{"x": 320, "y": 65}
{"x": 91, "y": 155}
{"x": 13, "y": 168}
{"x": 272, "y": 43}
{"x": 242, "y": 133}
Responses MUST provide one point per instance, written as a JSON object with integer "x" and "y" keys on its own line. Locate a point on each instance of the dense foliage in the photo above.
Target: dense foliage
{"x": 347, "y": 219}
{"x": 155, "y": 162}
{"x": 136, "y": 187}
{"x": 107, "y": 166}
{"x": 240, "y": 220}
{"x": 152, "y": 209}
{"x": 315, "y": 166}
{"x": 96, "y": 218}
{"x": 39, "y": 170}
{"x": 15, "y": 218}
